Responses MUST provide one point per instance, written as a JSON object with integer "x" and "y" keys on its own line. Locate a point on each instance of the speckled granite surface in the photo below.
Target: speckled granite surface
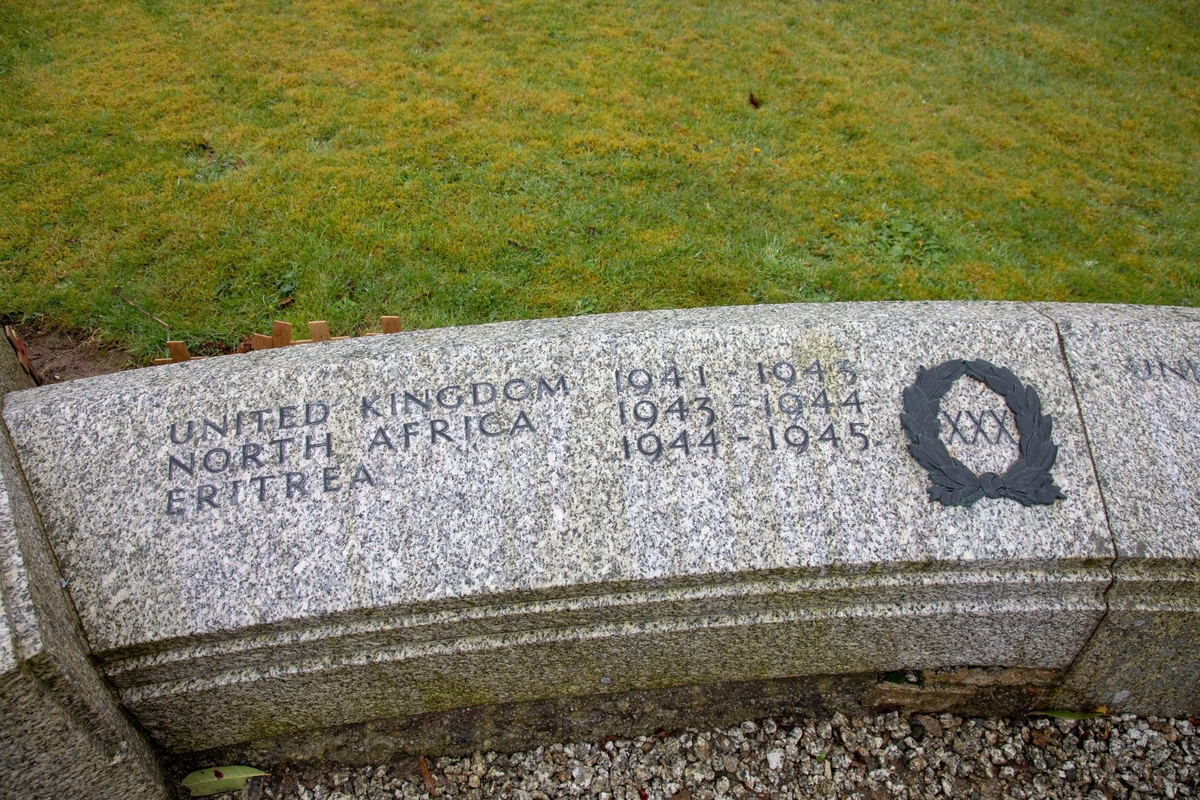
{"x": 62, "y": 731}
{"x": 1137, "y": 374}
{"x": 383, "y": 527}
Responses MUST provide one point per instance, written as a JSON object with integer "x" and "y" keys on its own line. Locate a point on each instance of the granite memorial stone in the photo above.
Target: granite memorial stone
{"x": 1137, "y": 376}
{"x": 377, "y": 528}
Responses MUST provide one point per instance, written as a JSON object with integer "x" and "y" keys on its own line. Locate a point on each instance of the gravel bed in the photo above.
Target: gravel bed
{"x": 889, "y": 755}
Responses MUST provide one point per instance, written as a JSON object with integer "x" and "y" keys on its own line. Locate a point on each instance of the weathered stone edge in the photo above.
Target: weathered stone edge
{"x": 792, "y": 597}
{"x": 53, "y": 658}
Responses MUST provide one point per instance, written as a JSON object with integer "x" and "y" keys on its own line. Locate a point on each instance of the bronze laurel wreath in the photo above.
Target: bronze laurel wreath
{"x": 1028, "y": 480}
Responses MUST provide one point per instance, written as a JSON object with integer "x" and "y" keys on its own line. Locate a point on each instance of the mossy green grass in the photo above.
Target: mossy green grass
{"x": 226, "y": 163}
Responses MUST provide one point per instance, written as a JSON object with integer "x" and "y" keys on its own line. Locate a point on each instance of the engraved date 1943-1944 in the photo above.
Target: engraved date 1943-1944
{"x": 779, "y": 405}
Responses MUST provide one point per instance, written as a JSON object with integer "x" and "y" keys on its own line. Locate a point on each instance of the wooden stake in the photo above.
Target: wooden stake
{"x": 178, "y": 351}
{"x": 281, "y": 334}
{"x": 390, "y": 324}
{"x": 260, "y": 341}
{"x": 319, "y": 331}
{"x": 22, "y": 353}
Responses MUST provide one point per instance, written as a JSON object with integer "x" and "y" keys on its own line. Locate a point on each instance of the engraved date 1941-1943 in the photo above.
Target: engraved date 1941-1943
{"x": 778, "y": 405}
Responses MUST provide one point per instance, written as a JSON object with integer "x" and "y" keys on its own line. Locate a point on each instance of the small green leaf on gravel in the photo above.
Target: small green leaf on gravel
{"x": 1060, "y": 714}
{"x": 215, "y": 780}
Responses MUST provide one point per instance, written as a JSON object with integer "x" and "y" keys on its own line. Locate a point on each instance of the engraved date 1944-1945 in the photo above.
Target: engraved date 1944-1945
{"x": 673, "y": 413}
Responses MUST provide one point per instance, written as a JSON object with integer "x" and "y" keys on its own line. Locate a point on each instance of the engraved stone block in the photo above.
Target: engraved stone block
{"x": 1137, "y": 374}
{"x": 356, "y": 530}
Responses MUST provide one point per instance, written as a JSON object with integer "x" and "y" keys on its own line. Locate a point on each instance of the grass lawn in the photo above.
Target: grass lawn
{"x": 226, "y": 163}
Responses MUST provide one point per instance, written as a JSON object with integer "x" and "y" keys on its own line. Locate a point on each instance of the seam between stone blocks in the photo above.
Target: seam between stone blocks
{"x": 44, "y": 539}
{"x": 108, "y": 752}
{"x": 1087, "y": 439}
{"x": 119, "y": 751}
